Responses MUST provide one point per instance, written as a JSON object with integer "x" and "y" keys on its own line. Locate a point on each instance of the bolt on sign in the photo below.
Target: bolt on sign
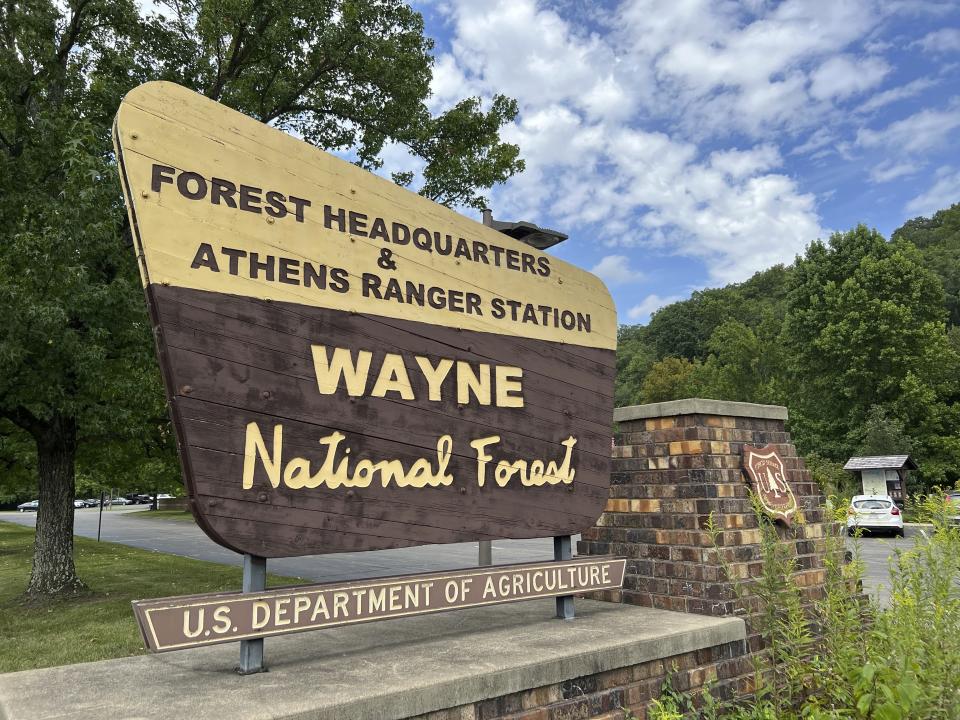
{"x": 768, "y": 475}
{"x": 191, "y": 621}
{"x": 350, "y": 366}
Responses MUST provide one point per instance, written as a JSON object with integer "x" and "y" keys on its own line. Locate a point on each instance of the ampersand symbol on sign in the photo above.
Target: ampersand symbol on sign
{"x": 386, "y": 260}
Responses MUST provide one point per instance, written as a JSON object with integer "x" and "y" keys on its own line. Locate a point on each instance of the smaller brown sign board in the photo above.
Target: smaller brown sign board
{"x": 191, "y": 621}
{"x": 768, "y": 475}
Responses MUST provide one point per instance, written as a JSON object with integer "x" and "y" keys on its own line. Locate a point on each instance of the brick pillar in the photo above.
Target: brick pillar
{"x": 676, "y": 462}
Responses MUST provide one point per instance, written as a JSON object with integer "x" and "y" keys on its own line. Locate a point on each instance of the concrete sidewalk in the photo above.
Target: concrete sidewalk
{"x": 378, "y": 671}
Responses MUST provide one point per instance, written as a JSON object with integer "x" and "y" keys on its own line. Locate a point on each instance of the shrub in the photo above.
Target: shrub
{"x": 864, "y": 661}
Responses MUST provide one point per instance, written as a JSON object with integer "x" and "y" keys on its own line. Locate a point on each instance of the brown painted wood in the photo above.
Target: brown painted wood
{"x": 235, "y": 345}
{"x": 232, "y": 381}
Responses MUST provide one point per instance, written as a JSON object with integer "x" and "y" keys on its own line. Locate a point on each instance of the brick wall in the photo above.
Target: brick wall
{"x": 669, "y": 475}
{"x": 670, "y": 472}
{"x": 607, "y": 695}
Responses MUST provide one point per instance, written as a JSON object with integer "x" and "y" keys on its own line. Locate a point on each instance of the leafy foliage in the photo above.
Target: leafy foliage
{"x": 77, "y": 370}
{"x": 892, "y": 663}
{"x": 854, "y": 338}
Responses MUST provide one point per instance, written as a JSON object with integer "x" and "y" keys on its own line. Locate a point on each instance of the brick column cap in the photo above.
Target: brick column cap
{"x": 699, "y": 406}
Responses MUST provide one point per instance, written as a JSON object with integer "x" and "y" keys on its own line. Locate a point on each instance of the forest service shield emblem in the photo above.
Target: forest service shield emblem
{"x": 768, "y": 475}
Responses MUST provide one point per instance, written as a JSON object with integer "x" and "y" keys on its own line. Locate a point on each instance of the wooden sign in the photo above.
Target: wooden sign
{"x": 348, "y": 365}
{"x": 185, "y": 622}
{"x": 768, "y": 475}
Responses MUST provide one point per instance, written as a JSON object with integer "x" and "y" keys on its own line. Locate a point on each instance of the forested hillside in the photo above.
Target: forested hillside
{"x": 859, "y": 338}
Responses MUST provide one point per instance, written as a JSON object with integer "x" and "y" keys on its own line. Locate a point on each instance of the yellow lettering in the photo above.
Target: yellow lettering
{"x": 563, "y": 473}
{"x": 300, "y": 604}
{"x": 480, "y": 445}
{"x": 340, "y": 605}
{"x": 504, "y": 472}
{"x": 221, "y": 617}
{"x": 509, "y": 389}
{"x": 393, "y": 378}
{"x": 261, "y": 614}
{"x": 411, "y": 596}
{"x": 280, "y": 610}
{"x": 255, "y": 447}
{"x": 488, "y": 588}
{"x": 186, "y": 623}
{"x": 378, "y": 600}
{"x": 320, "y": 608}
{"x": 476, "y": 383}
{"x": 329, "y": 371}
{"x": 434, "y": 375}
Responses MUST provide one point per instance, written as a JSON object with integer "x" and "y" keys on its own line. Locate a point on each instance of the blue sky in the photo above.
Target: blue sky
{"x": 685, "y": 144}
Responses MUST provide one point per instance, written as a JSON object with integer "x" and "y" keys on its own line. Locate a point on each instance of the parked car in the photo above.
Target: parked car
{"x": 874, "y": 513}
{"x": 29, "y": 506}
{"x": 117, "y": 501}
{"x": 79, "y": 504}
{"x": 91, "y": 502}
{"x": 953, "y": 507}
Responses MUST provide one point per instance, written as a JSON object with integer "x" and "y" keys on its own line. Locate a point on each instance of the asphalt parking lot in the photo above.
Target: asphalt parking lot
{"x": 182, "y": 537}
{"x": 876, "y": 552}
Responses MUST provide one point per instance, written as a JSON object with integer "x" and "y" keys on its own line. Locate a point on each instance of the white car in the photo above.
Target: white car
{"x": 874, "y": 513}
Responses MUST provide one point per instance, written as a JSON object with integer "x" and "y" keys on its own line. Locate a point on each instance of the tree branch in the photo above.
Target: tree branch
{"x": 23, "y": 418}
{"x": 284, "y": 107}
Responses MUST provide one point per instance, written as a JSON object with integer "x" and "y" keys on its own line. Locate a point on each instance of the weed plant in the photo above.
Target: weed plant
{"x": 843, "y": 656}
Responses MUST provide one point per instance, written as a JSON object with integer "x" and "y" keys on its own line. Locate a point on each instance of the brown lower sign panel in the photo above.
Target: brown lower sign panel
{"x": 191, "y": 621}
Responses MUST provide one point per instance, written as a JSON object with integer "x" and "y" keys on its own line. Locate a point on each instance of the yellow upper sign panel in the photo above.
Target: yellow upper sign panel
{"x": 223, "y": 203}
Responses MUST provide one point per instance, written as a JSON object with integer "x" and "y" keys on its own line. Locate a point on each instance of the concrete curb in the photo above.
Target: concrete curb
{"x": 380, "y": 671}
{"x": 699, "y": 406}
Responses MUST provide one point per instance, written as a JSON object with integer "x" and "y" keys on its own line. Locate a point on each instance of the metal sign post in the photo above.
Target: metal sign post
{"x": 100, "y": 520}
{"x": 254, "y": 580}
{"x": 486, "y": 553}
{"x": 563, "y": 550}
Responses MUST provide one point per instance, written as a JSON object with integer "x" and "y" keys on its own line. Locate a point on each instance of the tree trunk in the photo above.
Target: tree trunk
{"x": 53, "y": 570}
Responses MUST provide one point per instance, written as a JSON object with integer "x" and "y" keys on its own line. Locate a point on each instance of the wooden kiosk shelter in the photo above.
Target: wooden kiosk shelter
{"x": 883, "y": 474}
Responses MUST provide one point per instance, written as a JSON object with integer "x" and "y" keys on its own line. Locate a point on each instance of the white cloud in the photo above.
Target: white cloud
{"x": 642, "y": 311}
{"x": 945, "y": 40}
{"x": 616, "y": 270}
{"x": 903, "y": 92}
{"x": 842, "y": 76}
{"x": 747, "y": 66}
{"x": 944, "y": 192}
{"x": 890, "y": 170}
{"x": 924, "y": 130}
{"x": 817, "y": 140}
{"x": 532, "y": 54}
{"x": 586, "y": 101}
{"x": 743, "y": 163}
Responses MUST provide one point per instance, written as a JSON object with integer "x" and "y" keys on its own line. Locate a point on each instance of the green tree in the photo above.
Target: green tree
{"x": 77, "y": 371}
{"x": 866, "y": 328}
{"x": 634, "y": 358}
{"x": 673, "y": 379}
{"x": 938, "y": 239}
{"x": 881, "y": 434}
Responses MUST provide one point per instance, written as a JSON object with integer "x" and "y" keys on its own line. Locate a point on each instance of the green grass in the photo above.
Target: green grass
{"x": 164, "y": 515}
{"x": 99, "y": 625}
